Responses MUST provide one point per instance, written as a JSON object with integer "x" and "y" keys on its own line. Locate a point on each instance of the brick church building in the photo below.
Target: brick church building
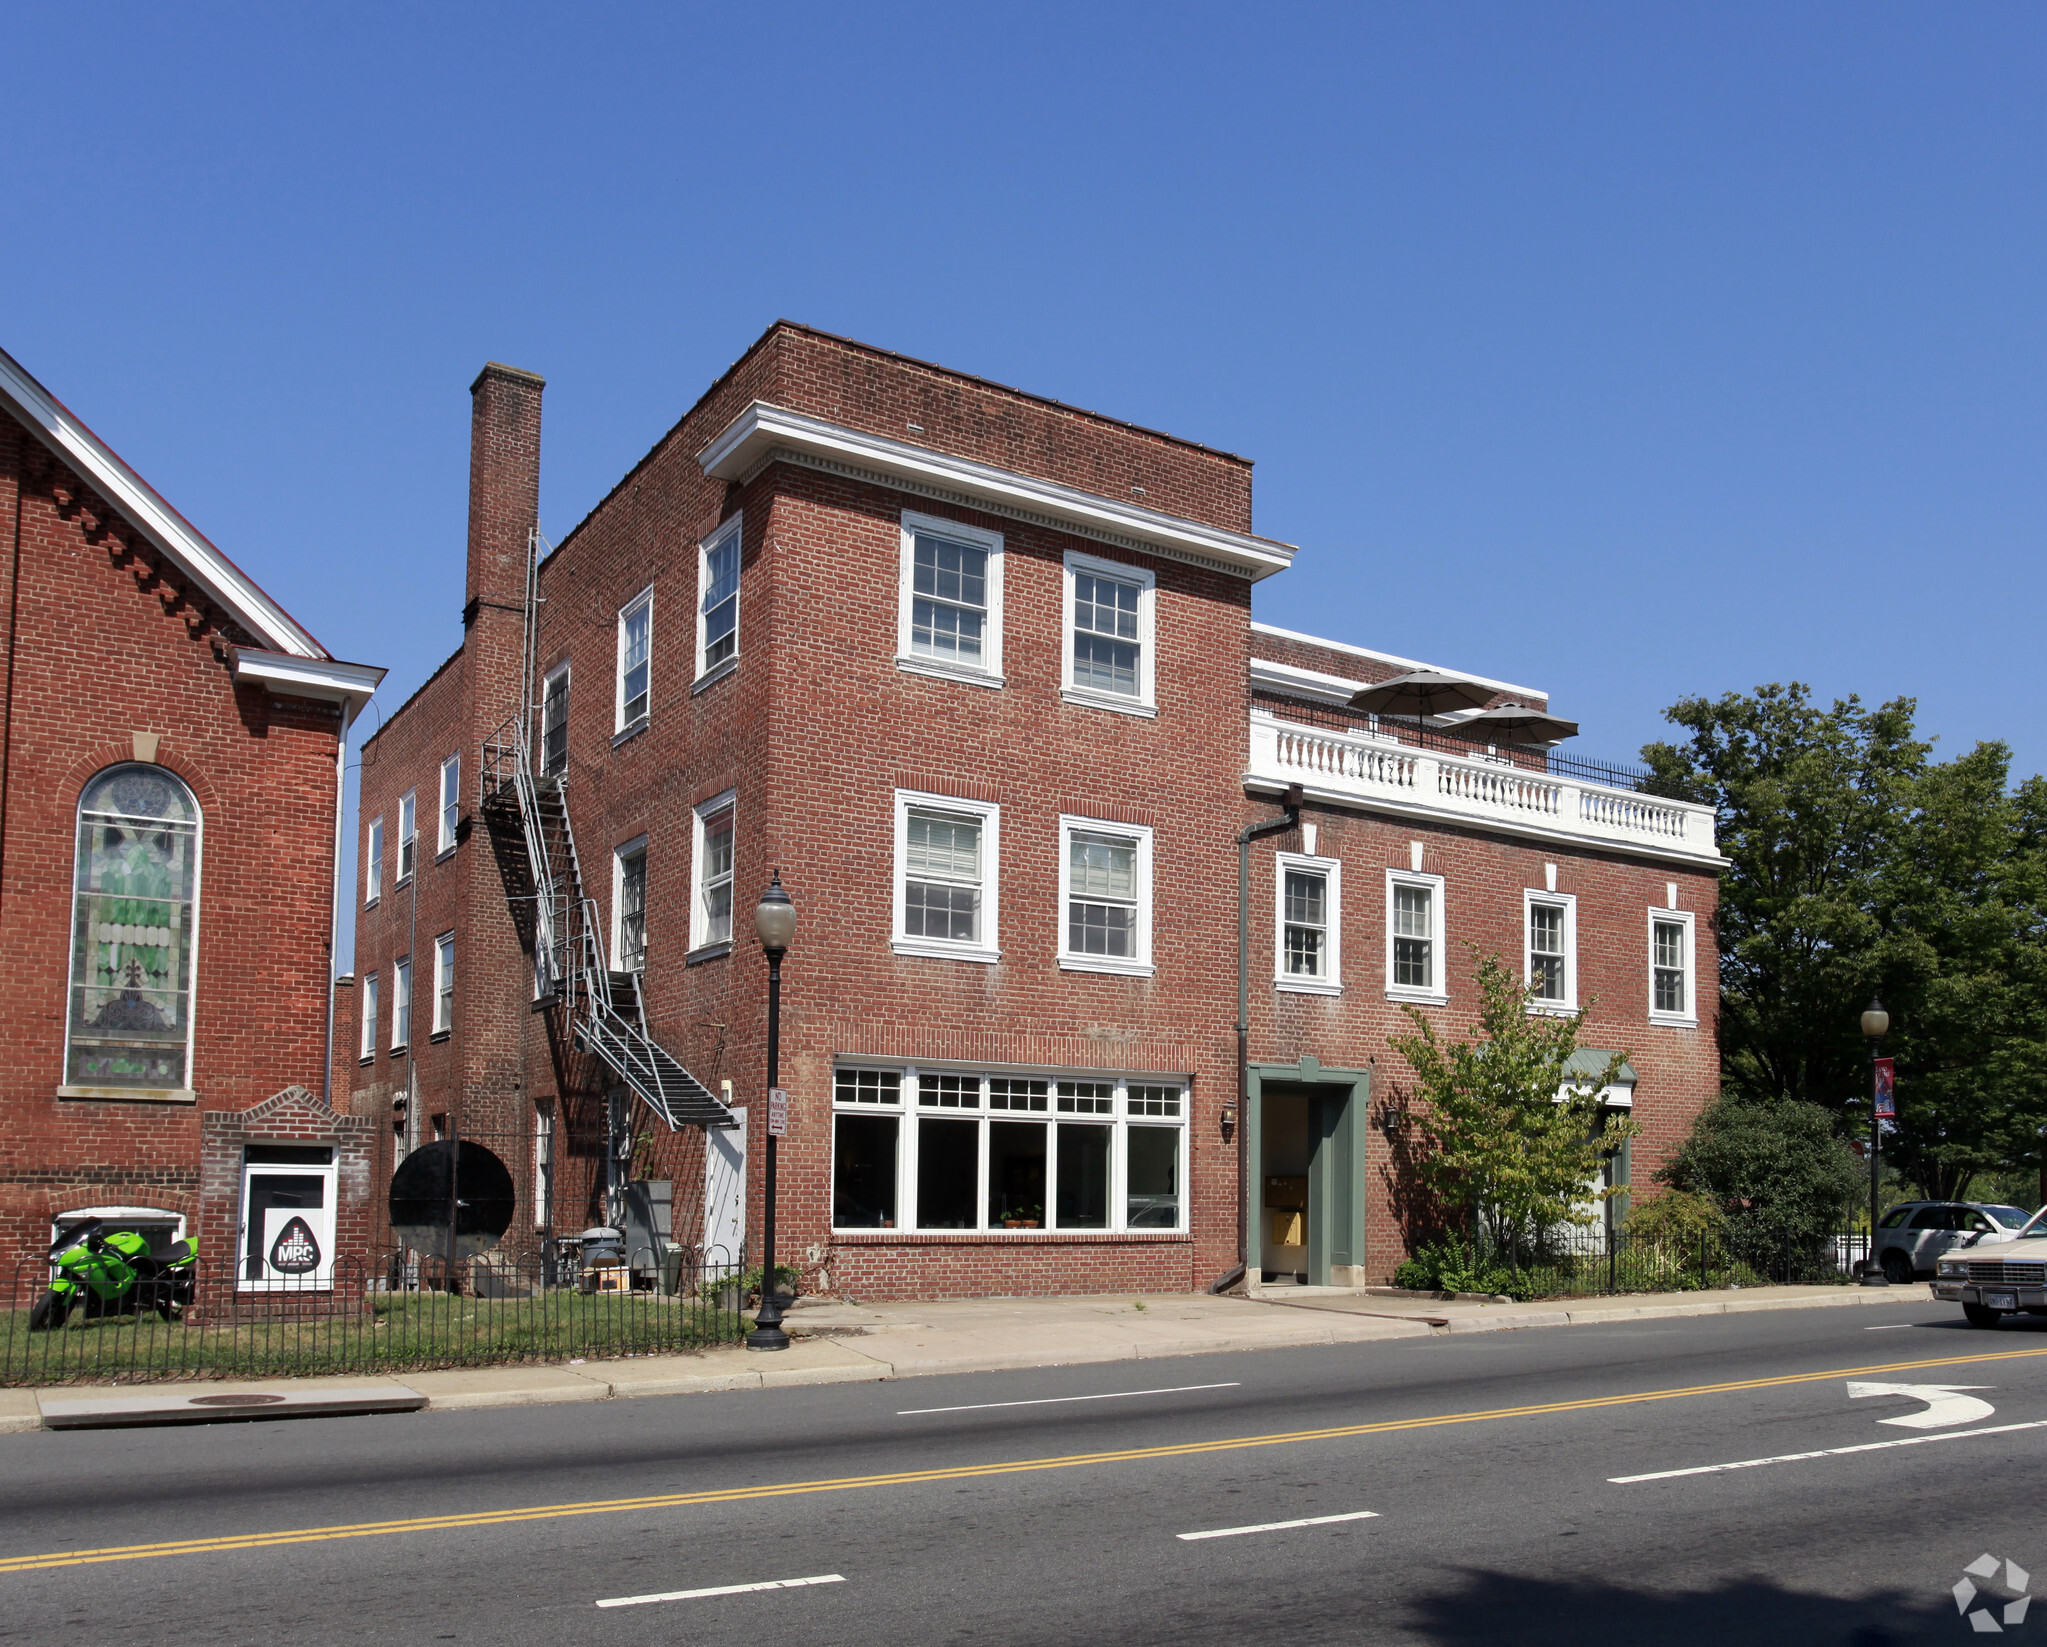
{"x": 170, "y": 814}
{"x": 974, "y": 671}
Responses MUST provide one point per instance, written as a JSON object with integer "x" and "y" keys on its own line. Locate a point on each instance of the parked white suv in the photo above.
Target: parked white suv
{"x": 1911, "y": 1237}
{"x": 1990, "y": 1285}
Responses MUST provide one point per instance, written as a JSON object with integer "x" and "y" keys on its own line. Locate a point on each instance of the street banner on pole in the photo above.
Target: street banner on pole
{"x": 1886, "y": 1096}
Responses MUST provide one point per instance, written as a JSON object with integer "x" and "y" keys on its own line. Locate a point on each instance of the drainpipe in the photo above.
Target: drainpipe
{"x": 1291, "y": 801}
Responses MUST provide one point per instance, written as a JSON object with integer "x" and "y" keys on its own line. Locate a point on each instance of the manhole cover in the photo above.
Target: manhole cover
{"x": 234, "y": 1400}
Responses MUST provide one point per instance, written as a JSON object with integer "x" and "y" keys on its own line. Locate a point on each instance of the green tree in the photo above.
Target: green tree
{"x": 1505, "y": 1128}
{"x": 1780, "y": 1178}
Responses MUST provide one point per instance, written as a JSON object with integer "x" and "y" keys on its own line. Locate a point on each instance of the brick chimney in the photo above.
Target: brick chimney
{"x": 504, "y": 484}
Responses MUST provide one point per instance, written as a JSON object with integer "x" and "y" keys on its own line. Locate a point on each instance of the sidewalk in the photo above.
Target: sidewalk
{"x": 853, "y": 1343}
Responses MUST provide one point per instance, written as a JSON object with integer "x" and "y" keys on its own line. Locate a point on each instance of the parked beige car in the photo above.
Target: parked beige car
{"x": 1991, "y": 1282}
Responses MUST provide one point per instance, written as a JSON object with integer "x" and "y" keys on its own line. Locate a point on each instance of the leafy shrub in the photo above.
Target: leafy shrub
{"x": 1777, "y": 1175}
{"x": 1676, "y": 1218}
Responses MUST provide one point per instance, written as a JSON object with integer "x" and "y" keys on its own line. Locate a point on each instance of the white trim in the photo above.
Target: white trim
{"x": 408, "y": 814}
{"x": 401, "y": 989}
{"x": 989, "y": 669}
{"x": 1689, "y": 1018}
{"x": 642, "y": 602}
{"x": 619, "y": 854}
{"x": 349, "y": 684}
{"x": 988, "y": 948}
{"x": 1437, "y": 994}
{"x": 723, "y": 804}
{"x": 1139, "y": 836}
{"x": 444, "y": 983}
{"x": 734, "y": 528}
{"x": 1145, "y": 701}
{"x": 149, "y": 514}
{"x": 326, "y": 1228}
{"x": 1389, "y": 657}
{"x": 448, "y": 798}
{"x": 373, "y": 860}
{"x": 372, "y": 1016}
{"x": 1331, "y": 871}
{"x": 765, "y": 433}
{"x": 1568, "y": 903}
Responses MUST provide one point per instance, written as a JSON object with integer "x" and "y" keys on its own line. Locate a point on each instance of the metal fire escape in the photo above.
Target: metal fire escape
{"x": 527, "y": 814}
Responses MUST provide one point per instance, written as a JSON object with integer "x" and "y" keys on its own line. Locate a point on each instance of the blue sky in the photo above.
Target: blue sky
{"x": 1630, "y": 351}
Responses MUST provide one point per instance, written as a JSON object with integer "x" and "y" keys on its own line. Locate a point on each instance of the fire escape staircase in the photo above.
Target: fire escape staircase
{"x": 527, "y": 814}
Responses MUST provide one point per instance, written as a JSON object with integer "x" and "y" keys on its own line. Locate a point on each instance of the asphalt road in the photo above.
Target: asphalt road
{"x": 1025, "y": 1518}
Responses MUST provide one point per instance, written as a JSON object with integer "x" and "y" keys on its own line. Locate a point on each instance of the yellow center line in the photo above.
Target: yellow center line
{"x": 959, "y": 1472}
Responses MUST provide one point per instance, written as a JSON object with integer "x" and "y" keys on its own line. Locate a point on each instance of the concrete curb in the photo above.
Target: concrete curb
{"x": 1592, "y": 1315}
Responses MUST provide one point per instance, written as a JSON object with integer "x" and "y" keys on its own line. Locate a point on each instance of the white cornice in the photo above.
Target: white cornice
{"x": 349, "y": 684}
{"x": 226, "y": 583}
{"x": 1311, "y": 684}
{"x": 764, "y": 433}
{"x": 1395, "y": 659}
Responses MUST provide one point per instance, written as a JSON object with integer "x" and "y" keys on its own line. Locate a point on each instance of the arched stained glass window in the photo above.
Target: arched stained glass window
{"x": 134, "y": 905}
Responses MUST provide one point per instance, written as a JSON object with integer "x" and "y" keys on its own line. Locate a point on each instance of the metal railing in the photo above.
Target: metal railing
{"x": 384, "y": 1311}
{"x": 1592, "y": 1261}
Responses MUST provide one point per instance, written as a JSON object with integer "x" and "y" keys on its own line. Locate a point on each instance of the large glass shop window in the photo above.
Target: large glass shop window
{"x": 131, "y": 936}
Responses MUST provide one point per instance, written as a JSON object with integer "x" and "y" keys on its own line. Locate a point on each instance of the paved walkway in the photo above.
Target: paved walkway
{"x": 849, "y": 1343}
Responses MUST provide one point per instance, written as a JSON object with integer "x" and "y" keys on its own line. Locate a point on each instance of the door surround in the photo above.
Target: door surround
{"x": 1336, "y": 1217}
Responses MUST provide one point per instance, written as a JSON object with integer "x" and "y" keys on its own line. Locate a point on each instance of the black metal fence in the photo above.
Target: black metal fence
{"x": 386, "y": 1311}
{"x": 1574, "y": 1262}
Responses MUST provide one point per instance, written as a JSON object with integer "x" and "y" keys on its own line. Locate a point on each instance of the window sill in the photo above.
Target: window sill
{"x": 438, "y": 1037}
{"x": 1673, "y": 1020}
{"x": 402, "y": 882}
{"x": 866, "y": 1235}
{"x": 371, "y": 903}
{"x": 1308, "y": 986}
{"x": 366, "y": 1060}
{"x": 132, "y": 1095}
{"x": 1105, "y": 700}
{"x": 709, "y": 952}
{"x": 1418, "y": 997}
{"x": 1106, "y": 963}
{"x": 629, "y": 733}
{"x": 1552, "y": 1009}
{"x": 933, "y": 949}
{"x": 717, "y": 672}
{"x": 444, "y": 854}
{"x": 399, "y": 1050}
{"x": 943, "y": 672}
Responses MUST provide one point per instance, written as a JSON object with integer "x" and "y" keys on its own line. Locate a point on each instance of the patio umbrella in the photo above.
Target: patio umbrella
{"x": 1511, "y": 723}
{"x": 1422, "y": 693}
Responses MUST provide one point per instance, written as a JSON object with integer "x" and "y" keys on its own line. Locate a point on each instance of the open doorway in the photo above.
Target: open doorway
{"x": 1307, "y": 1175}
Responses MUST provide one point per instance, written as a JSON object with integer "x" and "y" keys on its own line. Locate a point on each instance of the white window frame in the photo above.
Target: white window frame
{"x": 1140, "y": 835}
{"x": 444, "y": 983}
{"x": 634, "y": 848}
{"x": 401, "y": 1003}
{"x": 1438, "y": 993}
{"x": 731, "y": 530}
{"x": 1568, "y": 903}
{"x": 1145, "y": 702}
{"x": 450, "y": 816}
{"x": 1689, "y": 1018}
{"x": 372, "y": 1015}
{"x": 642, "y": 602}
{"x": 373, "y": 862}
{"x": 988, "y": 949}
{"x": 1331, "y": 871}
{"x": 910, "y": 1109}
{"x": 989, "y": 671}
{"x": 724, "y": 804}
{"x": 408, "y": 836}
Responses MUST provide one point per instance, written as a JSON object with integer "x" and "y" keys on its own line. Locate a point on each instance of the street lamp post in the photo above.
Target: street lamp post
{"x": 774, "y": 921}
{"x": 1875, "y": 1024}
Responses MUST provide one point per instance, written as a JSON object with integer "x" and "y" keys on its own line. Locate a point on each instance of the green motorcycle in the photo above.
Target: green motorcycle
{"x": 114, "y": 1273}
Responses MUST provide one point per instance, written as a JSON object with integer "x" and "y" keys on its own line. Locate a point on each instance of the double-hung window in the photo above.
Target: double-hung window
{"x": 711, "y": 907}
{"x": 1550, "y": 923}
{"x": 950, "y": 616}
{"x": 408, "y": 845}
{"x": 964, "y": 1150}
{"x": 444, "y": 983}
{"x": 1104, "y": 897}
{"x": 948, "y": 853}
{"x": 629, "y": 906}
{"x": 1414, "y": 937}
{"x": 554, "y": 721}
{"x": 401, "y": 1004}
{"x": 1110, "y": 609}
{"x": 1309, "y": 922}
{"x": 1672, "y": 986}
{"x": 635, "y": 660}
{"x": 718, "y": 597}
{"x": 373, "y": 862}
{"x": 451, "y": 803}
{"x": 370, "y": 1016}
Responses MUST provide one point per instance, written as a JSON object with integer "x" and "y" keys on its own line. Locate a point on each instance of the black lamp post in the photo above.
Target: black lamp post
{"x": 1876, "y": 1024}
{"x": 774, "y": 920}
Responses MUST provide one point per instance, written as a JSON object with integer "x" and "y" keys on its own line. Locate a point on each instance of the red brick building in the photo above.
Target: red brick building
{"x": 170, "y": 814}
{"x": 975, "y": 672}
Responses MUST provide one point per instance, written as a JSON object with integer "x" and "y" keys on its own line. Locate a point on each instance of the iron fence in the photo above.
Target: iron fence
{"x": 1574, "y": 1262}
{"x": 382, "y": 1311}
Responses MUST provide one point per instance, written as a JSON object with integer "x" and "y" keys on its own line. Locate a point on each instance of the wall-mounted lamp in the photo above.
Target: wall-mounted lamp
{"x": 1229, "y": 1119}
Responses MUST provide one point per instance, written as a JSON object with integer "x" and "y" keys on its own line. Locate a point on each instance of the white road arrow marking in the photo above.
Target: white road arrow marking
{"x": 1944, "y": 1406}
